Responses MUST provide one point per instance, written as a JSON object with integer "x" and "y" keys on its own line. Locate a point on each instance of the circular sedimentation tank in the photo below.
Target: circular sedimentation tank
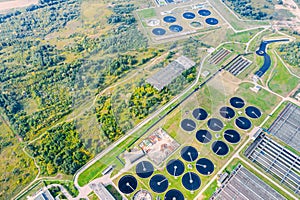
{"x": 203, "y": 136}
{"x": 200, "y": 114}
{"x": 159, "y": 183}
{"x": 175, "y": 167}
{"x": 227, "y": 112}
{"x": 237, "y": 102}
{"x": 169, "y": 19}
{"x": 220, "y": 148}
{"x": 189, "y": 153}
{"x": 188, "y": 15}
{"x": 176, "y": 28}
{"x": 159, "y": 31}
{"x": 204, "y": 12}
{"x": 205, "y": 166}
{"x": 191, "y": 181}
{"x": 188, "y": 125}
{"x": 212, "y": 21}
{"x": 215, "y": 124}
{"x": 243, "y": 123}
{"x": 127, "y": 184}
{"x": 144, "y": 169}
{"x": 232, "y": 136}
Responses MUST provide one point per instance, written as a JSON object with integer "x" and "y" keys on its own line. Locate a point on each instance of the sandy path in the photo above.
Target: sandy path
{"x": 16, "y": 4}
{"x": 291, "y": 6}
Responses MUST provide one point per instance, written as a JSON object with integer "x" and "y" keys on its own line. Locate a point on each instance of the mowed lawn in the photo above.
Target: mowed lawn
{"x": 146, "y": 13}
{"x": 263, "y": 100}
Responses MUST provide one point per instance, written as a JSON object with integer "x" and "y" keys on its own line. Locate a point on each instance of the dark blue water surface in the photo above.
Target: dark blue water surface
{"x": 237, "y": 102}
{"x": 159, "y": 31}
{"x": 203, "y": 136}
{"x": 169, "y": 1}
{"x": 189, "y": 15}
{"x": 243, "y": 123}
{"x": 232, "y": 136}
{"x": 174, "y": 194}
{"x": 191, "y": 181}
{"x": 200, "y": 114}
{"x": 188, "y": 125}
{"x": 169, "y": 19}
{"x": 267, "y": 60}
{"x": 215, "y": 124}
{"x": 204, "y": 12}
{"x": 144, "y": 169}
{"x": 175, "y": 28}
{"x": 227, "y": 112}
{"x": 253, "y": 112}
{"x": 205, "y": 166}
{"x": 159, "y": 183}
{"x": 189, "y": 153}
{"x": 220, "y": 148}
{"x": 212, "y": 21}
{"x": 127, "y": 184}
{"x": 175, "y": 167}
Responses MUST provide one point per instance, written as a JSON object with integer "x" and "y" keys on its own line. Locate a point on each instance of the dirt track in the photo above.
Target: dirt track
{"x": 291, "y": 6}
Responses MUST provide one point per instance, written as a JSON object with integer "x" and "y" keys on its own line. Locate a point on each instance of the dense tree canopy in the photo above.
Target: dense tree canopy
{"x": 60, "y": 150}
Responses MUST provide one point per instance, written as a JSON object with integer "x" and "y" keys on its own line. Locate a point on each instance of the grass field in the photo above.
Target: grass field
{"x": 263, "y": 99}
{"x": 242, "y": 37}
{"x": 236, "y": 23}
{"x": 281, "y": 82}
{"x": 210, "y": 190}
{"x": 147, "y": 13}
{"x": 254, "y": 45}
{"x": 18, "y": 169}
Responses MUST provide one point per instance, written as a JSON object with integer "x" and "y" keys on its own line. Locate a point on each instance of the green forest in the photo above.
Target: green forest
{"x": 246, "y": 9}
{"x": 291, "y": 53}
{"x": 116, "y": 115}
{"x": 55, "y": 60}
{"x": 44, "y": 80}
{"x": 36, "y": 71}
{"x": 60, "y": 150}
{"x": 256, "y": 9}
